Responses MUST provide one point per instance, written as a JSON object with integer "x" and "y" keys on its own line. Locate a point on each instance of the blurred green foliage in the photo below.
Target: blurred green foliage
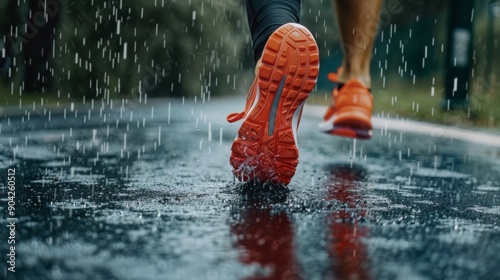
{"x": 174, "y": 48}
{"x": 158, "y": 47}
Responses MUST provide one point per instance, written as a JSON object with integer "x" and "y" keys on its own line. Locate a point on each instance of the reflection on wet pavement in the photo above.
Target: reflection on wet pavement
{"x": 347, "y": 251}
{"x": 265, "y": 239}
{"x": 126, "y": 194}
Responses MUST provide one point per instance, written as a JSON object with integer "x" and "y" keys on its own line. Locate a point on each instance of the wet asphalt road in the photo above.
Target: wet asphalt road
{"x": 131, "y": 192}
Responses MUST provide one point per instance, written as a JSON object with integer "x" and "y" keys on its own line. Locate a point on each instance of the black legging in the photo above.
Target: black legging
{"x": 265, "y": 16}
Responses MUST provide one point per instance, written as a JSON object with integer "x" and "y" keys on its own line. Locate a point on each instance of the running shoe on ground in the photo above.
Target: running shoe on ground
{"x": 265, "y": 149}
{"x": 350, "y": 113}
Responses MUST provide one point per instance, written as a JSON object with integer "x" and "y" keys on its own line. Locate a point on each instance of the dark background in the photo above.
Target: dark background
{"x": 114, "y": 48}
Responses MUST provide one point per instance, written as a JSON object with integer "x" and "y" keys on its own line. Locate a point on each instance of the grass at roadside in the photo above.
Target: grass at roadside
{"x": 50, "y": 98}
{"x": 38, "y": 98}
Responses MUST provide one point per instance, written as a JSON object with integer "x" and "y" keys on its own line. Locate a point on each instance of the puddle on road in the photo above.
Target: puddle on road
{"x": 140, "y": 202}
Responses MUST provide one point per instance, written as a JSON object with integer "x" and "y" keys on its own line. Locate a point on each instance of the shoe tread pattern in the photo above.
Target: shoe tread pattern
{"x": 290, "y": 53}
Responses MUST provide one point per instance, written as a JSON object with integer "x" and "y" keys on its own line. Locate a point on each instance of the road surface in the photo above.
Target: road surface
{"x": 131, "y": 192}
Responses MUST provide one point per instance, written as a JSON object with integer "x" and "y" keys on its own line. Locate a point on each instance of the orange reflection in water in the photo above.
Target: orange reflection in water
{"x": 346, "y": 249}
{"x": 266, "y": 239}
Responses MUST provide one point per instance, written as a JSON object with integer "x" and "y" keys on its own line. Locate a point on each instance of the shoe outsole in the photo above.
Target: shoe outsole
{"x": 352, "y": 124}
{"x": 265, "y": 148}
{"x": 351, "y": 132}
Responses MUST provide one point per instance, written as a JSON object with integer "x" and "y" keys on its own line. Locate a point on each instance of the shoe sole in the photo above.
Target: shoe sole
{"x": 265, "y": 148}
{"x": 350, "y": 131}
{"x": 351, "y": 122}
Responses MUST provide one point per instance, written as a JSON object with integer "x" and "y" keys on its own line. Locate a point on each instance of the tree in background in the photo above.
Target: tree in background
{"x": 109, "y": 48}
{"x": 29, "y": 29}
{"x": 159, "y": 48}
{"x": 38, "y": 37}
{"x": 8, "y": 28}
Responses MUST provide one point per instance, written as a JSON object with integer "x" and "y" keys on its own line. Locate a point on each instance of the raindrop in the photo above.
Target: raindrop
{"x": 125, "y": 51}
{"x": 353, "y": 152}
{"x": 220, "y": 137}
{"x": 159, "y": 135}
{"x": 168, "y": 118}
{"x": 125, "y": 141}
{"x": 209, "y": 132}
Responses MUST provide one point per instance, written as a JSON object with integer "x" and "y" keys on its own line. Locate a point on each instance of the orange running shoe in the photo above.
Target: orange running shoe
{"x": 350, "y": 113}
{"x": 265, "y": 148}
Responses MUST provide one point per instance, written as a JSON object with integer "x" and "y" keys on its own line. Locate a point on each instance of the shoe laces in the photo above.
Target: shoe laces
{"x": 234, "y": 117}
{"x": 334, "y": 77}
